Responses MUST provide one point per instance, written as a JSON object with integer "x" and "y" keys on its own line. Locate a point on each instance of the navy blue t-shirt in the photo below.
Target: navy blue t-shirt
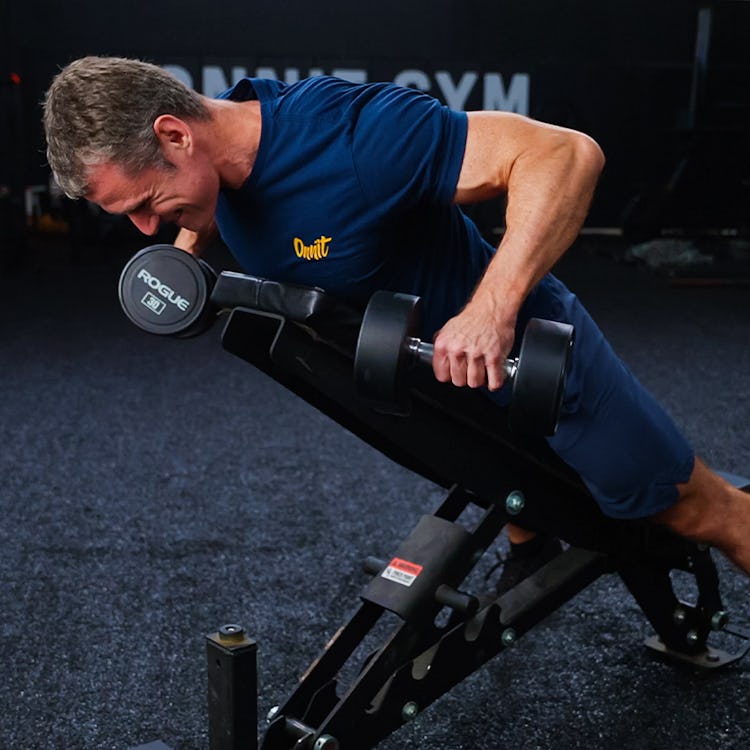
{"x": 352, "y": 191}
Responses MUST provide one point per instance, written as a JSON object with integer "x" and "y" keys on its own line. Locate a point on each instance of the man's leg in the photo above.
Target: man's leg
{"x": 529, "y": 551}
{"x": 627, "y": 450}
{"x": 711, "y": 510}
{"x": 517, "y": 535}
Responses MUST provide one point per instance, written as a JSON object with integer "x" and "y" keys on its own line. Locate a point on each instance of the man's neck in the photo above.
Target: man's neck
{"x": 232, "y": 138}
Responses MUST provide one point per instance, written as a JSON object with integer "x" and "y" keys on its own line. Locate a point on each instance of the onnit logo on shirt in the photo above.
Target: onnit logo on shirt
{"x": 317, "y": 251}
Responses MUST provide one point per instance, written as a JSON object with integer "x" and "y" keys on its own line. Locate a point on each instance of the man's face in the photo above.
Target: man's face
{"x": 185, "y": 195}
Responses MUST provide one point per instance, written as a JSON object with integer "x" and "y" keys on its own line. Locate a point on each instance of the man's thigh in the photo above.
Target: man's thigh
{"x": 612, "y": 431}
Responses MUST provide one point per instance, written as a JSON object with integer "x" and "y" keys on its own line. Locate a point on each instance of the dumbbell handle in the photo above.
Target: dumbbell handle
{"x": 420, "y": 351}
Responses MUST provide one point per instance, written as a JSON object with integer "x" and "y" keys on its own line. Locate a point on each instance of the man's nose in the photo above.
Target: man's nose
{"x": 147, "y": 223}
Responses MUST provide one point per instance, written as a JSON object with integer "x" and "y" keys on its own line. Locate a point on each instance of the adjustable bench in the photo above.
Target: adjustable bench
{"x": 456, "y": 438}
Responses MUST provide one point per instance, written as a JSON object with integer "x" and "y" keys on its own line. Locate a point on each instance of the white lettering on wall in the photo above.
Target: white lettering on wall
{"x": 351, "y": 74}
{"x": 291, "y": 75}
{"x": 454, "y": 91}
{"x": 515, "y": 99}
{"x": 456, "y": 95}
{"x": 180, "y": 73}
{"x": 416, "y": 79}
{"x": 215, "y": 81}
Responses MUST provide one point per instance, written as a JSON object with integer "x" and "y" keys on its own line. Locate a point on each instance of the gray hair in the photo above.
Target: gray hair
{"x": 102, "y": 109}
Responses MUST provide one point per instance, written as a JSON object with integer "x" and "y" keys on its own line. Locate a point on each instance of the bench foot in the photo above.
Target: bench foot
{"x": 707, "y": 659}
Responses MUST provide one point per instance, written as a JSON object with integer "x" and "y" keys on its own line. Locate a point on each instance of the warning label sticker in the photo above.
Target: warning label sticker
{"x": 402, "y": 571}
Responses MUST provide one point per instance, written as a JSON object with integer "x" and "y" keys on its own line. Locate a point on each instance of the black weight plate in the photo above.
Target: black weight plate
{"x": 539, "y": 383}
{"x": 164, "y": 290}
{"x": 380, "y": 358}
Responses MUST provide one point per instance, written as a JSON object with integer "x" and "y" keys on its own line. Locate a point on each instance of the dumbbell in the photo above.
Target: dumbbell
{"x": 387, "y": 349}
{"x": 166, "y": 291}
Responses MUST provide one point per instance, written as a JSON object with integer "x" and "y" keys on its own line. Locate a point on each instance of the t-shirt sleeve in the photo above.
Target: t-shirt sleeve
{"x": 407, "y": 148}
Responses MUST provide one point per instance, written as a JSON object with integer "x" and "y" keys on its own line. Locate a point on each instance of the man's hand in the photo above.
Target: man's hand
{"x": 471, "y": 348}
{"x": 195, "y": 243}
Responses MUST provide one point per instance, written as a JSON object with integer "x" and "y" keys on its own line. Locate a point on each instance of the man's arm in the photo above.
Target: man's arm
{"x": 195, "y": 243}
{"x": 549, "y": 175}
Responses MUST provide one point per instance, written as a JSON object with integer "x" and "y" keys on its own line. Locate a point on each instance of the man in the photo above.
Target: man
{"x": 356, "y": 188}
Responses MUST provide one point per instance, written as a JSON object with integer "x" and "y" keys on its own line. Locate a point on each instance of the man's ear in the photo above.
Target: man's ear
{"x": 173, "y": 133}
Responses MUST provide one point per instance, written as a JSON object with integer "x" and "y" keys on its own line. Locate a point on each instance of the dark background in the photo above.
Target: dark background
{"x": 623, "y": 72}
{"x": 153, "y": 490}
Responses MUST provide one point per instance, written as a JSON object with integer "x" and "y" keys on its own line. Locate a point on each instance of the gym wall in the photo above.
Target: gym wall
{"x": 623, "y": 72}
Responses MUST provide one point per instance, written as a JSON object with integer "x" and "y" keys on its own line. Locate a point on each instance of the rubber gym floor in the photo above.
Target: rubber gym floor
{"x": 152, "y": 490}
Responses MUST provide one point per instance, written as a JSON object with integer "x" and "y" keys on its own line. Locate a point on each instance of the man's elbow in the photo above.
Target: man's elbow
{"x": 588, "y": 154}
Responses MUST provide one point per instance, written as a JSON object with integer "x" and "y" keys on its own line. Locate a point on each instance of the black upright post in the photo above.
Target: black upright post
{"x": 232, "y": 689}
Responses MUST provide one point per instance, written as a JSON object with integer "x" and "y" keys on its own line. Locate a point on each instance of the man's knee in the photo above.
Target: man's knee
{"x": 706, "y": 508}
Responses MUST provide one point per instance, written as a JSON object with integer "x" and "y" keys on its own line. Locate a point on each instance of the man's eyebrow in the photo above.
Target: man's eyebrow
{"x": 134, "y": 207}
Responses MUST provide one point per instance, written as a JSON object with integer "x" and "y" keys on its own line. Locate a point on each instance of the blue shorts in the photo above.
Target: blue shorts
{"x": 612, "y": 431}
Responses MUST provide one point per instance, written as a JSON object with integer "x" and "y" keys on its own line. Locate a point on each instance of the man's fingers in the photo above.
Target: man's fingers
{"x": 441, "y": 366}
{"x": 464, "y": 371}
{"x": 467, "y": 359}
{"x": 458, "y": 370}
{"x": 475, "y": 375}
{"x": 450, "y": 368}
{"x": 495, "y": 374}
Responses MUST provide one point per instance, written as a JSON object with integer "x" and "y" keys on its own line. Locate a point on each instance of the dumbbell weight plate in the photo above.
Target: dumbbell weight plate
{"x": 539, "y": 383}
{"x": 166, "y": 291}
{"x": 379, "y": 361}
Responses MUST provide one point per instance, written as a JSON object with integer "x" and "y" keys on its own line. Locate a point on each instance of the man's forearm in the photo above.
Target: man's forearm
{"x": 547, "y": 206}
{"x": 549, "y": 175}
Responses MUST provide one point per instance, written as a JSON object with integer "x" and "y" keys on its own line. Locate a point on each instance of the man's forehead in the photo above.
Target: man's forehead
{"x": 112, "y": 189}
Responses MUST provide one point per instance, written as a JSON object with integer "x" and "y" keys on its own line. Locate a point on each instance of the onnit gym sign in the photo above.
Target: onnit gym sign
{"x": 489, "y": 90}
